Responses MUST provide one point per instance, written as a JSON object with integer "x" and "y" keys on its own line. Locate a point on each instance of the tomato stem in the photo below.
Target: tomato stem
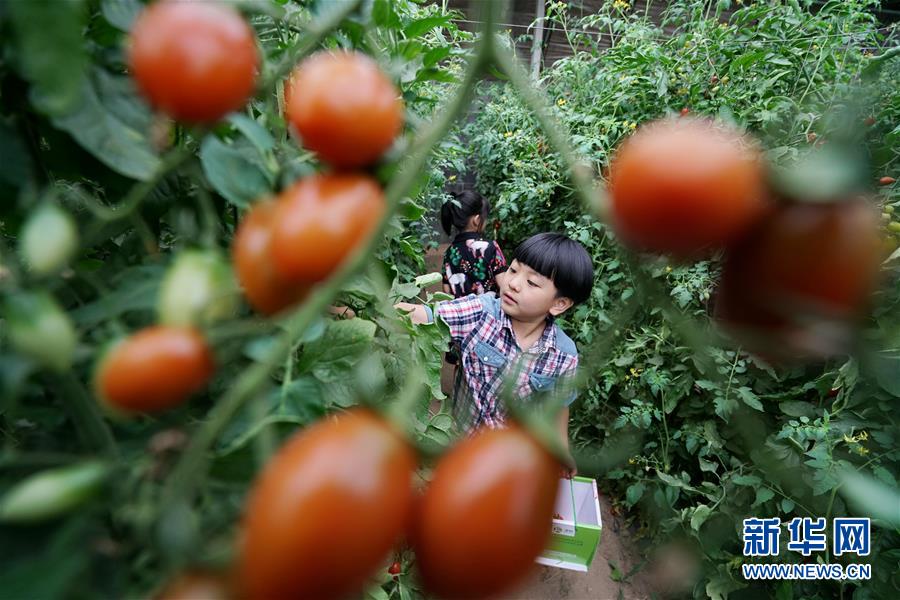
{"x": 86, "y": 416}
{"x": 308, "y": 42}
{"x": 172, "y": 160}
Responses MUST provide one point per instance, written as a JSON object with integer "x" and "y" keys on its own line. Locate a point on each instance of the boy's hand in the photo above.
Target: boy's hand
{"x": 416, "y": 312}
{"x": 569, "y": 471}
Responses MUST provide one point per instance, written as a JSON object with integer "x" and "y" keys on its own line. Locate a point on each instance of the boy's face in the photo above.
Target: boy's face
{"x": 527, "y": 295}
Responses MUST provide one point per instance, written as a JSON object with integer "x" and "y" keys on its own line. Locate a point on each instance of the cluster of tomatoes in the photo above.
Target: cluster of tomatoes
{"x": 797, "y": 272}
{"x": 196, "y": 62}
{"x": 334, "y": 500}
{"x": 340, "y": 495}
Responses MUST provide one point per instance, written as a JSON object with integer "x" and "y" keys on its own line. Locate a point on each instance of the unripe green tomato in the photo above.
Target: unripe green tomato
{"x": 52, "y": 493}
{"x": 38, "y": 327}
{"x": 48, "y": 239}
{"x": 197, "y": 289}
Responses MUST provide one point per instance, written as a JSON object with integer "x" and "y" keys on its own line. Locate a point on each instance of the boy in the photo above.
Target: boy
{"x": 549, "y": 273}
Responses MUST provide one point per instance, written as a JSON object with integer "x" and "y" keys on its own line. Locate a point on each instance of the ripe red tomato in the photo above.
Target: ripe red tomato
{"x": 395, "y": 568}
{"x": 320, "y": 220}
{"x": 327, "y": 509}
{"x": 251, "y": 251}
{"x": 486, "y": 515}
{"x": 195, "y": 61}
{"x": 198, "y": 585}
{"x": 685, "y": 111}
{"x": 685, "y": 186}
{"x": 154, "y": 369}
{"x": 795, "y": 286}
{"x": 344, "y": 108}
{"x": 886, "y": 181}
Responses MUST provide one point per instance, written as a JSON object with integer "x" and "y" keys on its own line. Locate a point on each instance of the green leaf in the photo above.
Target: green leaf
{"x": 699, "y": 516}
{"x": 787, "y": 505}
{"x": 51, "y": 51}
{"x": 405, "y": 291}
{"x": 673, "y": 481}
{"x": 886, "y": 368}
{"x": 614, "y": 573}
{"x": 105, "y": 122}
{"x": 420, "y": 26}
{"x": 136, "y": 288}
{"x": 427, "y": 280}
{"x": 438, "y": 436}
{"x": 410, "y": 210}
{"x": 442, "y": 421}
{"x": 749, "y": 398}
{"x": 121, "y": 13}
{"x": 707, "y": 466}
{"x": 885, "y": 476}
{"x": 797, "y": 408}
{"x": 376, "y": 592}
{"x": 777, "y": 60}
{"x": 435, "y": 55}
{"x": 383, "y": 14}
{"x": 721, "y": 584}
{"x": 253, "y": 131}
{"x": 235, "y": 171}
{"x": 436, "y": 74}
{"x": 334, "y": 354}
{"x": 763, "y": 494}
{"x": 725, "y": 406}
{"x": 634, "y": 493}
{"x": 748, "y": 480}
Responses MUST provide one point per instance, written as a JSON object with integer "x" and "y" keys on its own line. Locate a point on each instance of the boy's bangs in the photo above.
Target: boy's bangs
{"x": 560, "y": 259}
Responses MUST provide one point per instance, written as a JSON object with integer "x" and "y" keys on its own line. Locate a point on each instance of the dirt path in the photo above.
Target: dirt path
{"x": 616, "y": 548}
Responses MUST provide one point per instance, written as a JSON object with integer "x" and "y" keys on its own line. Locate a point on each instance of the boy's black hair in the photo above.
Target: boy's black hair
{"x": 562, "y": 260}
{"x": 465, "y": 204}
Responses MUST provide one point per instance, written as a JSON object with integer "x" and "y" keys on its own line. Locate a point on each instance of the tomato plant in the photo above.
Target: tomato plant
{"x": 319, "y": 221}
{"x": 486, "y": 514}
{"x": 195, "y": 61}
{"x": 154, "y": 369}
{"x": 685, "y": 187}
{"x": 344, "y": 108}
{"x": 338, "y": 494}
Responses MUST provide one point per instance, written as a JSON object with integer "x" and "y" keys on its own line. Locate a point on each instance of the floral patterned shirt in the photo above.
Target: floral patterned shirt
{"x": 471, "y": 263}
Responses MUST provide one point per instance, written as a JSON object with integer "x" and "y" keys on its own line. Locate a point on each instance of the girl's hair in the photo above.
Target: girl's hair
{"x": 456, "y": 213}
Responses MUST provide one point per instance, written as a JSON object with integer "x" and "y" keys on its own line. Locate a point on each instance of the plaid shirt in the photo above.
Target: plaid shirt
{"x": 490, "y": 352}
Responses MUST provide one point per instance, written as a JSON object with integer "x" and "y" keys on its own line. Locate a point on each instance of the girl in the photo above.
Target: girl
{"x": 472, "y": 262}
